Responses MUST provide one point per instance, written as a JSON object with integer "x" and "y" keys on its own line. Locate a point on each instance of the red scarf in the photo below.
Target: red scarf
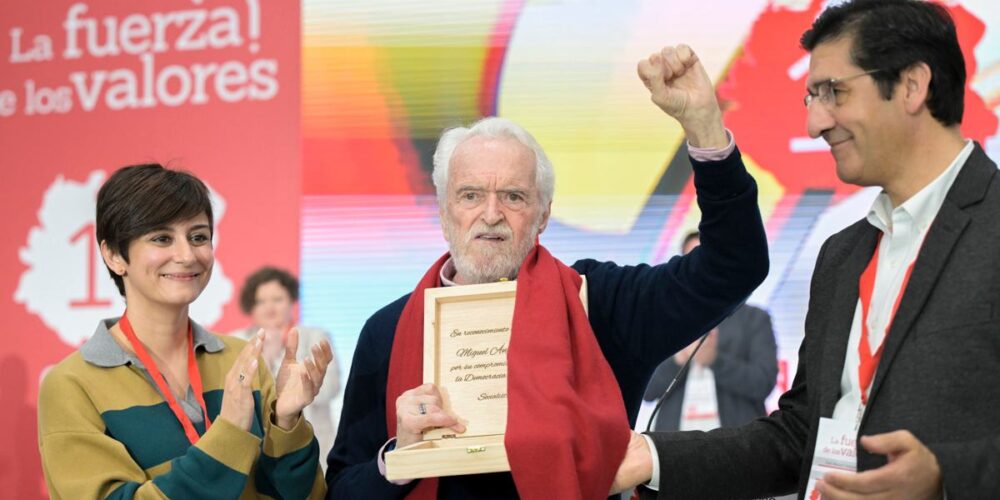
{"x": 566, "y": 425}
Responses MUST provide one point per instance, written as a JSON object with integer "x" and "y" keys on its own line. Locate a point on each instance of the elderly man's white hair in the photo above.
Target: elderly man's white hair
{"x": 545, "y": 177}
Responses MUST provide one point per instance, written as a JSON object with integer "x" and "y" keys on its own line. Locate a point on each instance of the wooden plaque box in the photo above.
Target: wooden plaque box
{"x": 466, "y": 334}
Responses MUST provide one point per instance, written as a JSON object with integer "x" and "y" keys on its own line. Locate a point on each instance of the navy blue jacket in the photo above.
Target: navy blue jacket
{"x": 640, "y": 314}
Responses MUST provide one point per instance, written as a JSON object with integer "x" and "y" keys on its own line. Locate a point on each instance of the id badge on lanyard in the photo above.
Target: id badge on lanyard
{"x": 836, "y": 451}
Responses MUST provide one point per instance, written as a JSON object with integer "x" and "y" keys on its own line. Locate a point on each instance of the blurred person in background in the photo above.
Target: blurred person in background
{"x": 728, "y": 380}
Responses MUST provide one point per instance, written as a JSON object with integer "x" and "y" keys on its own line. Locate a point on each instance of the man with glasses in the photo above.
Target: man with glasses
{"x": 899, "y": 370}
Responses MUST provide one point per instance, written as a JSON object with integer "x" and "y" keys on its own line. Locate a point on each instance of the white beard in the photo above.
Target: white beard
{"x": 491, "y": 264}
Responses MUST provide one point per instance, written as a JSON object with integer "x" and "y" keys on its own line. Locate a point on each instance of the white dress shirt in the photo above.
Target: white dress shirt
{"x": 903, "y": 231}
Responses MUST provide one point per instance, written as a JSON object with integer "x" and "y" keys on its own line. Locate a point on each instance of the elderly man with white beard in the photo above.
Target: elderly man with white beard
{"x": 574, "y": 382}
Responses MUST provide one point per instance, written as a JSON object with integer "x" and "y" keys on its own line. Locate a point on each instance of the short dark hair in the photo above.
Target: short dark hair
{"x": 248, "y": 294}
{"x": 138, "y": 199}
{"x": 891, "y": 36}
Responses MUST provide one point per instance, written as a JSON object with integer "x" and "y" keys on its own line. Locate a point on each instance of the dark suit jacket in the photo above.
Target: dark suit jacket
{"x": 939, "y": 376}
{"x": 745, "y": 369}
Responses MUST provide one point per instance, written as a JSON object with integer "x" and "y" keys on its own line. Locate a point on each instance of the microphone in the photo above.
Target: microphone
{"x": 670, "y": 387}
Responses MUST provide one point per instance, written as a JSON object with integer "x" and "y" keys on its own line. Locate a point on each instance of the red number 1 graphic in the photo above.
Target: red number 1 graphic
{"x": 91, "y": 300}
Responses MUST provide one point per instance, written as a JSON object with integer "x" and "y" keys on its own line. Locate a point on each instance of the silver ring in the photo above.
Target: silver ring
{"x": 422, "y": 408}
{"x": 242, "y": 377}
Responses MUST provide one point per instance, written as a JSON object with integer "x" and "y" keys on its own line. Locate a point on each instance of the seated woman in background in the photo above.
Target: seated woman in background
{"x": 269, "y": 296}
{"x": 153, "y": 405}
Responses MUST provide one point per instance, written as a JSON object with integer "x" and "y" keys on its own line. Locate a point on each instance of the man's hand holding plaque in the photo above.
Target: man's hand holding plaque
{"x": 419, "y": 410}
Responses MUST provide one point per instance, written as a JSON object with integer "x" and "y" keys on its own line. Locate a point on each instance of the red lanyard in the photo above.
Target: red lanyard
{"x": 868, "y": 361}
{"x": 194, "y": 376}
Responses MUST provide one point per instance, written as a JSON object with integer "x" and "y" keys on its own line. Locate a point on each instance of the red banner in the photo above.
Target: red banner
{"x": 87, "y": 87}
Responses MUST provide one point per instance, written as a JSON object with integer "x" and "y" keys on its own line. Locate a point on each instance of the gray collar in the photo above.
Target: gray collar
{"x": 102, "y": 350}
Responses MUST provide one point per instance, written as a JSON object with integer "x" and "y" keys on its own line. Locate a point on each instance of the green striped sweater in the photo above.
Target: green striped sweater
{"x": 105, "y": 431}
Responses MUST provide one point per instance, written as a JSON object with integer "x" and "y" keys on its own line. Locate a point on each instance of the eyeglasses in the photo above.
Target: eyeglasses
{"x": 827, "y": 93}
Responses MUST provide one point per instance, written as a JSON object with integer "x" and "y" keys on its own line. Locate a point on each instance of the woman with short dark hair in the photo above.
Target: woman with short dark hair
{"x": 153, "y": 405}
